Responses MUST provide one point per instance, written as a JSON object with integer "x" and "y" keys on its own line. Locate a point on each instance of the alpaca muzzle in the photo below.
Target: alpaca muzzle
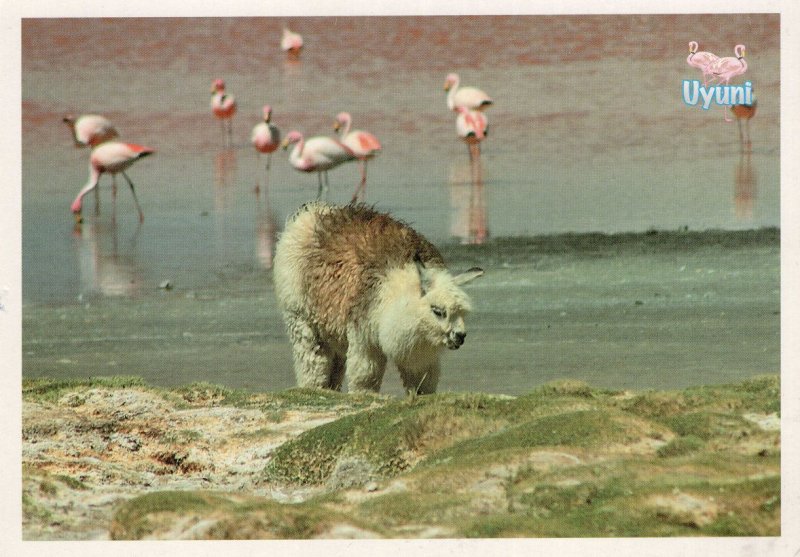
{"x": 455, "y": 340}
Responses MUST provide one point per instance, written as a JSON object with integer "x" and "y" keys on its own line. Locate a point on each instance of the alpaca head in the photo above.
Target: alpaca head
{"x": 443, "y": 305}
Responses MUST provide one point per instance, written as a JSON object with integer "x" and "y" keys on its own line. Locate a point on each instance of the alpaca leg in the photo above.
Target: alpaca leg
{"x": 365, "y": 366}
{"x": 337, "y": 372}
{"x": 313, "y": 360}
{"x": 422, "y": 381}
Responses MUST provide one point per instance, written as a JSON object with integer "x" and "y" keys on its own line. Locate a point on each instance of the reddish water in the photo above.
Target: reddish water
{"x": 588, "y": 132}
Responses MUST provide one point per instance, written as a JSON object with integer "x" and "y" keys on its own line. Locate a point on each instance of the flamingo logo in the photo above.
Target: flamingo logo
{"x": 721, "y": 70}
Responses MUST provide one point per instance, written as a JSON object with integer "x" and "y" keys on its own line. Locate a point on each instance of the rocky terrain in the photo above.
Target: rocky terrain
{"x": 115, "y": 458}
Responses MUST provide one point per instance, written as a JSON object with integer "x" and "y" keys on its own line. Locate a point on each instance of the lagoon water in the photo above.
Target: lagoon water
{"x": 588, "y": 132}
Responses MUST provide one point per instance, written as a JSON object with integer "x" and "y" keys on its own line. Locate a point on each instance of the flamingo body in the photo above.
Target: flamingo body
{"x": 701, "y": 60}
{"x": 90, "y": 129}
{"x": 316, "y": 154}
{"x": 111, "y": 157}
{"x": 291, "y": 42}
{"x": 470, "y": 97}
{"x": 223, "y": 105}
{"x": 363, "y": 144}
{"x": 266, "y": 136}
{"x": 471, "y": 125}
{"x": 729, "y": 67}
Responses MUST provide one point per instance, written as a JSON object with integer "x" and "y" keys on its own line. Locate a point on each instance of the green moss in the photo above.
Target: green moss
{"x": 49, "y": 390}
{"x": 708, "y": 425}
{"x": 680, "y": 446}
{"x": 135, "y": 518}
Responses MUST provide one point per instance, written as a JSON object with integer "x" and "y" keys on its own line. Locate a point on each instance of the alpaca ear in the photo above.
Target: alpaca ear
{"x": 424, "y": 280}
{"x": 467, "y": 276}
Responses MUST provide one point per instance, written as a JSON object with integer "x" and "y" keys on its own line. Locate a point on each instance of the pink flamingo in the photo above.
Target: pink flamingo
{"x": 291, "y": 42}
{"x": 111, "y": 157}
{"x": 223, "y": 106}
{"x": 266, "y": 136}
{"x": 363, "y": 144}
{"x": 90, "y": 129}
{"x": 701, "y": 60}
{"x": 472, "y": 127}
{"x": 317, "y": 154}
{"x": 470, "y": 97}
{"x": 725, "y": 69}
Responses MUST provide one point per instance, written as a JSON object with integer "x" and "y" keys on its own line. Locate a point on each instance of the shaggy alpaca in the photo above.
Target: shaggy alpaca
{"x": 356, "y": 288}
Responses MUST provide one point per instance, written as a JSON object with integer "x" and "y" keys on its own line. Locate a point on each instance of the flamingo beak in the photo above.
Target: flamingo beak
{"x": 285, "y": 144}
{"x": 336, "y": 126}
{"x": 78, "y": 217}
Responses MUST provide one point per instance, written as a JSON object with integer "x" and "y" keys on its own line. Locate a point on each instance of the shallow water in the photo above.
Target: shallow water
{"x": 588, "y": 133}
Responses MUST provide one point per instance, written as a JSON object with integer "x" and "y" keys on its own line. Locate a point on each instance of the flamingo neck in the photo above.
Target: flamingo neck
{"x": 451, "y": 94}
{"x": 345, "y": 129}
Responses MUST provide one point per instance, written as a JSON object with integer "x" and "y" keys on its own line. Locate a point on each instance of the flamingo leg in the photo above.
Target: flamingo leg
{"x": 96, "y": 201}
{"x": 269, "y": 160}
{"x": 361, "y": 188}
{"x": 135, "y": 200}
{"x": 327, "y": 185}
{"x": 319, "y": 189}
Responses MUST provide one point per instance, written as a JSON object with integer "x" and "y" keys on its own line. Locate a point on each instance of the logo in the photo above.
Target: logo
{"x": 723, "y": 95}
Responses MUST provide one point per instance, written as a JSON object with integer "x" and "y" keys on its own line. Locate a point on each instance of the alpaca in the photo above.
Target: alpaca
{"x": 358, "y": 288}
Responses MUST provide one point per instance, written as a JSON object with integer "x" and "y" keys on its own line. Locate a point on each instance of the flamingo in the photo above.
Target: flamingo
{"x": 223, "y": 106}
{"x": 744, "y": 112}
{"x": 291, "y": 42}
{"x": 90, "y": 129}
{"x": 363, "y": 144}
{"x": 701, "y": 60}
{"x": 266, "y": 136}
{"x": 317, "y": 154}
{"x": 111, "y": 157}
{"x": 470, "y": 97}
{"x": 725, "y": 69}
{"x": 472, "y": 127}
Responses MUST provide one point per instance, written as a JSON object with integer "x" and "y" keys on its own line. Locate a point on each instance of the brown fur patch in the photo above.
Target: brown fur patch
{"x": 347, "y": 257}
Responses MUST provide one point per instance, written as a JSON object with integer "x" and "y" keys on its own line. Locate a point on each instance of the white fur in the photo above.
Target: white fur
{"x": 400, "y": 324}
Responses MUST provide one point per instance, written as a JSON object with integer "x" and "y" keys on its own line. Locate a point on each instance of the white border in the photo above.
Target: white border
{"x": 788, "y": 544}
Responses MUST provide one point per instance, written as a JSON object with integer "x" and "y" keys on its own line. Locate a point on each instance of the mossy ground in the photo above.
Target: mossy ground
{"x": 567, "y": 460}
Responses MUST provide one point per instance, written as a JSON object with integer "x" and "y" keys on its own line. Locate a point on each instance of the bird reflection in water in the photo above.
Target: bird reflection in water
{"x": 224, "y": 178}
{"x": 104, "y": 269}
{"x": 266, "y": 230}
{"x": 745, "y": 179}
{"x": 468, "y": 202}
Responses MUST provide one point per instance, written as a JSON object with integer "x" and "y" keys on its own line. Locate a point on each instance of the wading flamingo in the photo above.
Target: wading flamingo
{"x": 470, "y": 97}
{"x": 111, "y": 157}
{"x": 90, "y": 129}
{"x": 317, "y": 154}
{"x": 472, "y": 127}
{"x": 729, "y": 67}
{"x": 223, "y": 106}
{"x": 291, "y": 42}
{"x": 266, "y": 136}
{"x": 701, "y": 60}
{"x": 744, "y": 112}
{"x": 363, "y": 144}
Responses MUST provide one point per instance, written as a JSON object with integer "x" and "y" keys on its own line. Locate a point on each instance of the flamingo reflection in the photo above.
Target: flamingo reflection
{"x": 266, "y": 231}
{"x": 224, "y": 177}
{"x": 744, "y": 186}
{"x": 468, "y": 220}
{"x": 104, "y": 269}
